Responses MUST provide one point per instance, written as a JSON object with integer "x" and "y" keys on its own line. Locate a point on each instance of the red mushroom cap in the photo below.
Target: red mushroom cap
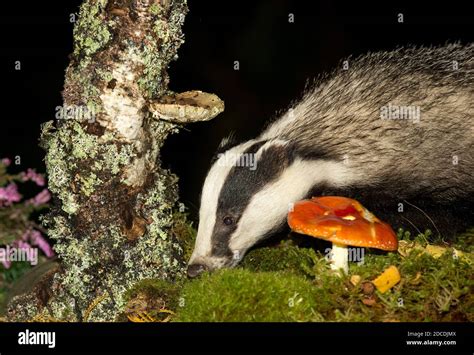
{"x": 343, "y": 221}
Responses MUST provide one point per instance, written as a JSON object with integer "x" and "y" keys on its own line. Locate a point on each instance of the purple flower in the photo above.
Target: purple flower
{"x": 37, "y": 238}
{"x": 43, "y": 197}
{"x": 6, "y": 263}
{"x": 9, "y": 194}
{"x": 32, "y": 175}
{"x": 21, "y": 244}
{"x": 6, "y": 161}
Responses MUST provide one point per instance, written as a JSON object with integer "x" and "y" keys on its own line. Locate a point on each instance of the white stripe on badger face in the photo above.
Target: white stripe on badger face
{"x": 268, "y": 207}
{"x": 209, "y": 199}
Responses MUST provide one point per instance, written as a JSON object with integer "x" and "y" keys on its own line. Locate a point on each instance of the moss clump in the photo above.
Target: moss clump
{"x": 166, "y": 291}
{"x": 243, "y": 296}
{"x": 184, "y": 232}
{"x": 431, "y": 289}
{"x": 151, "y": 299}
{"x": 282, "y": 258}
{"x": 465, "y": 241}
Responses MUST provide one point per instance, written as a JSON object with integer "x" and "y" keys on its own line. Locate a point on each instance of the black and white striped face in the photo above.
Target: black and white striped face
{"x": 246, "y": 197}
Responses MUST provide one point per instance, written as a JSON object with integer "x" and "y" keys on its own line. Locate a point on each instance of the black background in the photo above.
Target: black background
{"x": 276, "y": 60}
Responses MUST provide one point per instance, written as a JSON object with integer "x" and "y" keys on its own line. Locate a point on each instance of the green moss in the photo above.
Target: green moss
{"x": 185, "y": 233}
{"x": 431, "y": 289}
{"x": 465, "y": 241}
{"x": 282, "y": 258}
{"x": 420, "y": 238}
{"x": 156, "y": 289}
{"x": 270, "y": 282}
{"x": 243, "y": 296}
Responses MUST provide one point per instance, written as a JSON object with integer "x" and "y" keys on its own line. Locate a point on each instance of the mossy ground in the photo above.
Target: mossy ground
{"x": 294, "y": 283}
{"x": 290, "y": 282}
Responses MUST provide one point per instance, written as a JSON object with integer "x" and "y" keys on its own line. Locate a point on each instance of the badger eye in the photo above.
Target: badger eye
{"x": 228, "y": 221}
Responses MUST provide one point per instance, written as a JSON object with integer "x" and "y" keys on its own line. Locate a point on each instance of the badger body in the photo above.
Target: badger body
{"x": 395, "y": 131}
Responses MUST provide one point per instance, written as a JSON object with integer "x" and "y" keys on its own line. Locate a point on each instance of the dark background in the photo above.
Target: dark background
{"x": 276, "y": 60}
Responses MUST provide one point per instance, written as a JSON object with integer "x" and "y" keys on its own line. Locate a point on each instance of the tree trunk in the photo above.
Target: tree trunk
{"x": 114, "y": 204}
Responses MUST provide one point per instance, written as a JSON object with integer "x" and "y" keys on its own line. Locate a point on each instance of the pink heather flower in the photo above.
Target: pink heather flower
{"x": 37, "y": 239}
{"x": 6, "y": 161}
{"x": 32, "y": 175}
{"x": 25, "y": 236}
{"x": 9, "y": 194}
{"x": 20, "y": 244}
{"x": 6, "y": 263}
{"x": 43, "y": 197}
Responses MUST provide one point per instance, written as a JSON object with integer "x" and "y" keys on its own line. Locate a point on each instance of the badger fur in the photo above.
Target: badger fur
{"x": 395, "y": 130}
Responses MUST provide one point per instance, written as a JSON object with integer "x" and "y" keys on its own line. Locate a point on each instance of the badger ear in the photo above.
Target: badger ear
{"x": 225, "y": 144}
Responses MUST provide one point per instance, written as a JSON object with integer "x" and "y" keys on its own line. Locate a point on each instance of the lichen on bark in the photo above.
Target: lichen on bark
{"x": 114, "y": 203}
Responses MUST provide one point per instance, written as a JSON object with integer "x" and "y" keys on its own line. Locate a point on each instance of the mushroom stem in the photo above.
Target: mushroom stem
{"x": 339, "y": 257}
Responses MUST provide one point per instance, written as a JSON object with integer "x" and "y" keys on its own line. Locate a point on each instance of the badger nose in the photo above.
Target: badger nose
{"x": 195, "y": 269}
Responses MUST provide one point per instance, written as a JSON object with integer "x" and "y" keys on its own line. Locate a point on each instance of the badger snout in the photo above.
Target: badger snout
{"x": 195, "y": 269}
{"x": 197, "y": 265}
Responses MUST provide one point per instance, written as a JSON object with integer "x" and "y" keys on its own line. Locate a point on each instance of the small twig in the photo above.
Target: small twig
{"x": 93, "y": 305}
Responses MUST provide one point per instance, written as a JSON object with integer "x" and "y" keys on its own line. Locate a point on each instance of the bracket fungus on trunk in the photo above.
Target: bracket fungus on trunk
{"x": 344, "y": 222}
{"x": 186, "y": 107}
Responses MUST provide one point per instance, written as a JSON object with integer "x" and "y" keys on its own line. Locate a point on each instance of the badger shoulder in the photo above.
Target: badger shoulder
{"x": 342, "y": 117}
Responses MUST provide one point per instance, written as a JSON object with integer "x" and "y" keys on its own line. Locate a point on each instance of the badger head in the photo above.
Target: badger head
{"x": 246, "y": 197}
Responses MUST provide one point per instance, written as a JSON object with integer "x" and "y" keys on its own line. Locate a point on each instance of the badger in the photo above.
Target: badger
{"x": 393, "y": 129}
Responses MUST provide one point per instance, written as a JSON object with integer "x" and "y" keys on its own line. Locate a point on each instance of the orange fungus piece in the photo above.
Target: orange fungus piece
{"x": 341, "y": 220}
